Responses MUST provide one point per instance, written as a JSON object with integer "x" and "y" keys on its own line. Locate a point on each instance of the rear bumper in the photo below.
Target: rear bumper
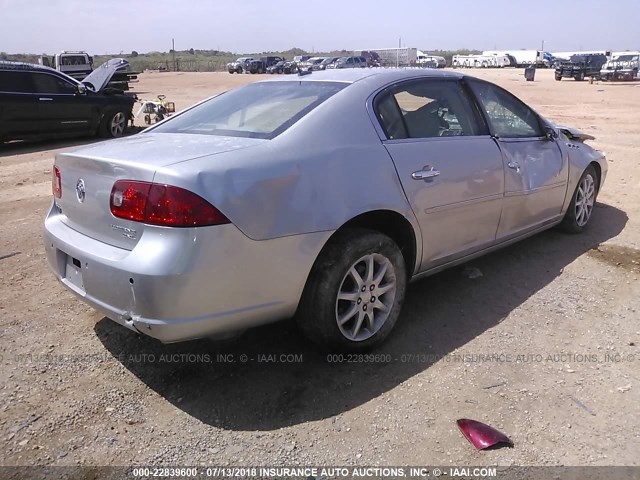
{"x": 182, "y": 284}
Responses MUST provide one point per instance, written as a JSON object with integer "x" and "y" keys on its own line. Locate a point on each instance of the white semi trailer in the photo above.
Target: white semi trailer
{"x": 433, "y": 61}
{"x": 523, "y": 58}
{"x": 480, "y": 61}
{"x": 568, "y": 55}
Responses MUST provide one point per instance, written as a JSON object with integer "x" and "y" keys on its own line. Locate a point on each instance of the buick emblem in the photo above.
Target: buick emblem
{"x": 80, "y": 191}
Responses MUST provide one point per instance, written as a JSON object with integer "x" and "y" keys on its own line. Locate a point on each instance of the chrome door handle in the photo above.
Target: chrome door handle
{"x": 514, "y": 165}
{"x": 43, "y": 99}
{"x": 427, "y": 172}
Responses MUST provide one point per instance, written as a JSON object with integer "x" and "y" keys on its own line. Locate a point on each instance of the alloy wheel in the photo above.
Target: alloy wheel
{"x": 118, "y": 122}
{"x": 366, "y": 297}
{"x": 585, "y": 198}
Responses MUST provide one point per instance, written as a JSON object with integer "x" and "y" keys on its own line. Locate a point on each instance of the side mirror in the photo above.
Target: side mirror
{"x": 550, "y": 133}
{"x": 81, "y": 90}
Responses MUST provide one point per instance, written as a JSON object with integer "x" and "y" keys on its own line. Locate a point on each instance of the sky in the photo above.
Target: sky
{"x": 254, "y": 26}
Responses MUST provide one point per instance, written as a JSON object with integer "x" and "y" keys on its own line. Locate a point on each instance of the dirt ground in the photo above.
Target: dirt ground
{"x": 543, "y": 346}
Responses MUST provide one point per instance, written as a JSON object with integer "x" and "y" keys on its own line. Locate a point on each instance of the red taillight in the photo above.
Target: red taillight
{"x": 163, "y": 205}
{"x": 56, "y": 182}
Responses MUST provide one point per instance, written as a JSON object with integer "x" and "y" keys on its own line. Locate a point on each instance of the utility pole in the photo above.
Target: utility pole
{"x": 173, "y": 49}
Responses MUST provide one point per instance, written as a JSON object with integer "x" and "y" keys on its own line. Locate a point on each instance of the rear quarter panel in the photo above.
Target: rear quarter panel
{"x": 323, "y": 171}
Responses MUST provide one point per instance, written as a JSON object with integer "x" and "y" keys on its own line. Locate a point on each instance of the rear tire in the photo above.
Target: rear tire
{"x": 582, "y": 203}
{"x": 579, "y": 77}
{"x": 354, "y": 293}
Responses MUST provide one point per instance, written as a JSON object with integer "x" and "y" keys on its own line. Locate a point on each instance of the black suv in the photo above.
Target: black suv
{"x": 262, "y": 65}
{"x": 40, "y": 101}
{"x": 581, "y": 66}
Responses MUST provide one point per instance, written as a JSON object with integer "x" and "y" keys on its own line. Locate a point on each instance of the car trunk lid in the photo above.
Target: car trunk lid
{"x": 87, "y": 177}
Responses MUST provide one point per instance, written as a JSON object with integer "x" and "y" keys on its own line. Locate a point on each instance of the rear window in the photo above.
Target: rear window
{"x": 74, "y": 60}
{"x": 18, "y": 82}
{"x": 258, "y": 110}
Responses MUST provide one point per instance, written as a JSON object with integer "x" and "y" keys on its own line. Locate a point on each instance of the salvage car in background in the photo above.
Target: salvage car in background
{"x": 349, "y": 62}
{"x": 312, "y": 64}
{"x": 40, "y": 101}
{"x": 319, "y": 196}
{"x": 327, "y": 61}
{"x": 239, "y": 65}
{"x": 277, "y": 68}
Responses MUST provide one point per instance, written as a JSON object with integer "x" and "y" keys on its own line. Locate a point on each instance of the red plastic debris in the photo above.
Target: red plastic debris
{"x": 481, "y": 435}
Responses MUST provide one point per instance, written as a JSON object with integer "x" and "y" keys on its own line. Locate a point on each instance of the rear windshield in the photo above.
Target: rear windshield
{"x": 259, "y": 110}
{"x": 74, "y": 60}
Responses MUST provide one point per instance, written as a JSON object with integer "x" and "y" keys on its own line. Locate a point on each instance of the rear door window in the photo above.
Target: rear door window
{"x": 16, "y": 82}
{"x": 427, "y": 108}
{"x": 46, "y": 83}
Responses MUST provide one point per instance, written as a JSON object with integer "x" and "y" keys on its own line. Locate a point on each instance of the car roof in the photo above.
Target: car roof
{"x": 382, "y": 75}
{"x": 7, "y": 65}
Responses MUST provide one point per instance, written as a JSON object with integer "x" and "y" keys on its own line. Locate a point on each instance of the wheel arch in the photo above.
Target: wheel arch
{"x": 390, "y": 223}
{"x": 596, "y": 166}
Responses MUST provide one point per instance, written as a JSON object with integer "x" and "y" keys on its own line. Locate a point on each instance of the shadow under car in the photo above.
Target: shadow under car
{"x": 271, "y": 377}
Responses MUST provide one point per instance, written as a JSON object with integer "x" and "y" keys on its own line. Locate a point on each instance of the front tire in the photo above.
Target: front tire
{"x": 355, "y": 291}
{"x": 582, "y": 203}
{"x": 113, "y": 124}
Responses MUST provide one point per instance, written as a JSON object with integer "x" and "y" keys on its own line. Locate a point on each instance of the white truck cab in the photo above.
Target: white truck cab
{"x": 77, "y": 64}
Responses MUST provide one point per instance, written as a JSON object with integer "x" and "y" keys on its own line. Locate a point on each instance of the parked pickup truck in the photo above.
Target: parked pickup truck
{"x": 580, "y": 67}
{"x": 76, "y": 64}
{"x": 621, "y": 67}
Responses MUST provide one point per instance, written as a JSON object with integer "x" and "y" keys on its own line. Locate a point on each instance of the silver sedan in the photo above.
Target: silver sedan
{"x": 317, "y": 197}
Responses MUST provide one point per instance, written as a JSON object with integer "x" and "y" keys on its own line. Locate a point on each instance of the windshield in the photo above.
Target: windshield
{"x": 259, "y": 110}
{"x": 626, "y": 58}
